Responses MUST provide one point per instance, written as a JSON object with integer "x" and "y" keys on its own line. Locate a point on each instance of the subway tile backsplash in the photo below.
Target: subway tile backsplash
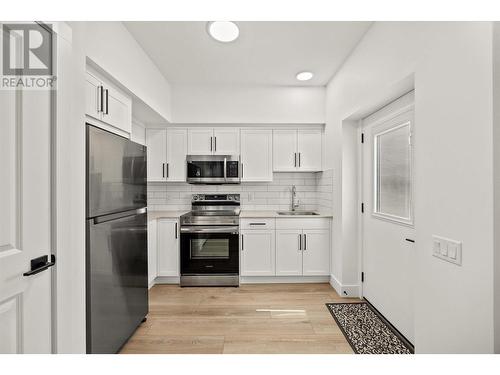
{"x": 314, "y": 191}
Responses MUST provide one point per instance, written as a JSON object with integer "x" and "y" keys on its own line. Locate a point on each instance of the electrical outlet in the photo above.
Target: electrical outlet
{"x": 446, "y": 249}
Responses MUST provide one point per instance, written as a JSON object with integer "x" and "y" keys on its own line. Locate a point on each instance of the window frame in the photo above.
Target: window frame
{"x": 401, "y": 120}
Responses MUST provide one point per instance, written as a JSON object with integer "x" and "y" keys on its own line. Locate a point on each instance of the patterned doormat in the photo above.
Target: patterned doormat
{"x": 366, "y": 331}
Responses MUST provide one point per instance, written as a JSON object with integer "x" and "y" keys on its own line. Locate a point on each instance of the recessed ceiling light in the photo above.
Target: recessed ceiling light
{"x": 304, "y": 76}
{"x": 223, "y": 31}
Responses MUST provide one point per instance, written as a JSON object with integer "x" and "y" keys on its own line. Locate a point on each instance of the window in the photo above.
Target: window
{"x": 393, "y": 173}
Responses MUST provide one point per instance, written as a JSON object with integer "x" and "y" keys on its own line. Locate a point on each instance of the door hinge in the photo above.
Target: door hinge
{"x": 362, "y": 277}
{"x": 362, "y": 208}
{"x": 362, "y": 137}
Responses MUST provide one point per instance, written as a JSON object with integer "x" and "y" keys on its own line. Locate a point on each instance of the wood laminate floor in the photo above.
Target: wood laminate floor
{"x": 258, "y": 318}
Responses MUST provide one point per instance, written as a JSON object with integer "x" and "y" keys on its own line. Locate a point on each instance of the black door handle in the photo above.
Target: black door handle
{"x": 40, "y": 264}
{"x": 410, "y": 240}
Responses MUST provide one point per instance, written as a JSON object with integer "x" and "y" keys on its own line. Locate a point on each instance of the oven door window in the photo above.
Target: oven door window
{"x": 204, "y": 169}
{"x": 209, "y": 248}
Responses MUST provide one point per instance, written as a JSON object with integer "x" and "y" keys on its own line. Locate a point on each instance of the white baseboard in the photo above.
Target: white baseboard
{"x": 346, "y": 290}
{"x": 283, "y": 279}
{"x": 167, "y": 280}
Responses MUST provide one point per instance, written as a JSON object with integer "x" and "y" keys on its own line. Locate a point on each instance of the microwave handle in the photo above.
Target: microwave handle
{"x": 225, "y": 169}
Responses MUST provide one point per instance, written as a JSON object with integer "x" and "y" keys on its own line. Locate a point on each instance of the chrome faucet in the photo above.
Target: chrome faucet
{"x": 295, "y": 201}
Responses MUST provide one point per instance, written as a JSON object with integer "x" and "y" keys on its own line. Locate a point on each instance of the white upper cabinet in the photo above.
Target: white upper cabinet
{"x": 226, "y": 141}
{"x": 200, "y": 141}
{"x": 256, "y": 155}
{"x": 316, "y": 252}
{"x": 92, "y": 96}
{"x": 177, "y": 140}
{"x": 117, "y": 109}
{"x": 285, "y": 150}
{"x": 156, "y": 141}
{"x": 258, "y": 253}
{"x": 309, "y": 149}
{"x": 214, "y": 141}
{"x": 297, "y": 150}
{"x": 107, "y": 104}
{"x": 168, "y": 247}
{"x": 167, "y": 149}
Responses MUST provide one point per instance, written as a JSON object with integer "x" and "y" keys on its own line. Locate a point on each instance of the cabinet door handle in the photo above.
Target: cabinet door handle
{"x": 215, "y": 143}
{"x": 176, "y": 230}
{"x": 210, "y": 144}
{"x": 257, "y": 223}
{"x": 294, "y": 159}
{"x": 167, "y": 171}
{"x": 242, "y": 243}
{"x": 299, "y": 159}
{"x": 300, "y": 242}
{"x": 163, "y": 170}
{"x": 101, "y": 98}
{"x": 107, "y": 102}
{"x": 241, "y": 170}
{"x": 305, "y": 241}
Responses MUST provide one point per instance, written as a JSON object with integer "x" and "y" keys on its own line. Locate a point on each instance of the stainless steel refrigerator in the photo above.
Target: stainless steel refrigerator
{"x": 116, "y": 241}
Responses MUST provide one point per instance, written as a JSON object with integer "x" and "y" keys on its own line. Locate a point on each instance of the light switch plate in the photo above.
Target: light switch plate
{"x": 447, "y": 249}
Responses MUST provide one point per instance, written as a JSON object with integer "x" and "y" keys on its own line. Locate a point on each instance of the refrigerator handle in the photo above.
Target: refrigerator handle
{"x": 119, "y": 215}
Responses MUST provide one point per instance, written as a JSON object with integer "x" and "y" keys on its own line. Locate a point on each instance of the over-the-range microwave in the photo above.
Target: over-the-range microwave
{"x": 213, "y": 169}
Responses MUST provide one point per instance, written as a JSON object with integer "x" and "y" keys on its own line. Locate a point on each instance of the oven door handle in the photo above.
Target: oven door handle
{"x": 211, "y": 229}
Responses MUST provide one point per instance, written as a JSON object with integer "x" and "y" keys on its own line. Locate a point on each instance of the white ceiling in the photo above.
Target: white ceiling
{"x": 266, "y": 53}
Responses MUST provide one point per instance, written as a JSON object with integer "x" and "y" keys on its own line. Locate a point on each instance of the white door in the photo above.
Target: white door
{"x": 93, "y": 95}
{"x": 168, "y": 247}
{"x": 388, "y": 226}
{"x": 226, "y": 141}
{"x": 258, "y": 253}
{"x": 25, "y": 223}
{"x": 288, "y": 252}
{"x": 309, "y": 150}
{"x": 316, "y": 252}
{"x": 285, "y": 150}
{"x": 256, "y": 155}
{"x": 156, "y": 142}
{"x": 176, "y": 154}
{"x": 200, "y": 141}
{"x": 117, "y": 109}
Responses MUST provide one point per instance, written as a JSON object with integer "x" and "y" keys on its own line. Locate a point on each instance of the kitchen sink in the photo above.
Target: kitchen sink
{"x": 292, "y": 213}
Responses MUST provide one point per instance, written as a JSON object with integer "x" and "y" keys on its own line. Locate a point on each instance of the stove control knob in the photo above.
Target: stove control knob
{"x": 196, "y": 197}
{"x": 236, "y": 197}
{"x": 230, "y": 197}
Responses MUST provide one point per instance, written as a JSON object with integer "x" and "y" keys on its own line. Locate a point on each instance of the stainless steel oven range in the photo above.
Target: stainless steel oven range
{"x": 210, "y": 241}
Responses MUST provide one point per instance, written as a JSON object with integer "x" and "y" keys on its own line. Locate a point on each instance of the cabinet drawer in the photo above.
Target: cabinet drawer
{"x": 303, "y": 223}
{"x": 257, "y": 223}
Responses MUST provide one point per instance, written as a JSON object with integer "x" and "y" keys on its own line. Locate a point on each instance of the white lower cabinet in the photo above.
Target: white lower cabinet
{"x": 288, "y": 253}
{"x": 316, "y": 252}
{"x": 168, "y": 247}
{"x": 258, "y": 253}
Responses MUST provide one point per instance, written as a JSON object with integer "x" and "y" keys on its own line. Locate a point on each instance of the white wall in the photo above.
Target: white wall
{"x": 496, "y": 161}
{"x": 112, "y": 47}
{"x": 248, "y": 104}
{"x": 452, "y": 68}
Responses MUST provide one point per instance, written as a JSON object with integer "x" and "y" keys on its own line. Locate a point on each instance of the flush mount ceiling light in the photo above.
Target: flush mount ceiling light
{"x": 223, "y": 31}
{"x": 304, "y": 76}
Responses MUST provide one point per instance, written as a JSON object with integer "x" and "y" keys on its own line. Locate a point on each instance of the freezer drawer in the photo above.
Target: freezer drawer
{"x": 117, "y": 279}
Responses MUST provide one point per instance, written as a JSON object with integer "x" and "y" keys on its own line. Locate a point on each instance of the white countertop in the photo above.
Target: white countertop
{"x": 274, "y": 214}
{"x": 244, "y": 214}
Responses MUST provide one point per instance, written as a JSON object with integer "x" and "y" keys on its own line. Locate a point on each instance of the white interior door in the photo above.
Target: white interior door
{"x": 388, "y": 225}
{"x": 25, "y": 223}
